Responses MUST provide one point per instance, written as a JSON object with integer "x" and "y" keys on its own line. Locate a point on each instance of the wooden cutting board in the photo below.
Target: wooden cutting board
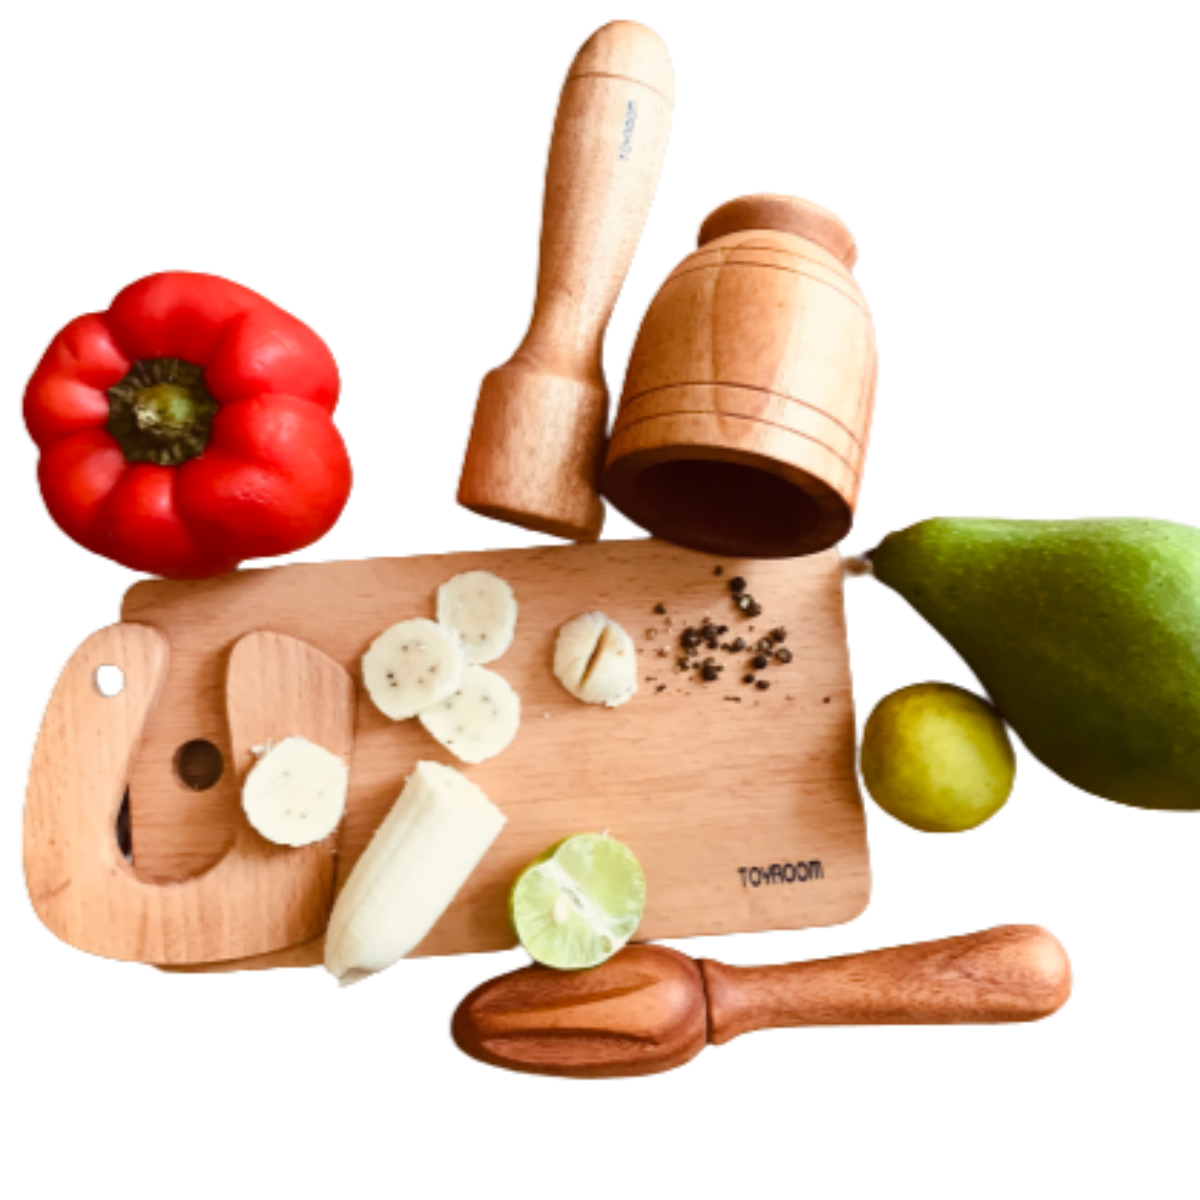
{"x": 742, "y": 805}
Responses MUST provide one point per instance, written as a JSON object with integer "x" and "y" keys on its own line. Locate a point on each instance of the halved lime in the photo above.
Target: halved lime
{"x": 578, "y": 903}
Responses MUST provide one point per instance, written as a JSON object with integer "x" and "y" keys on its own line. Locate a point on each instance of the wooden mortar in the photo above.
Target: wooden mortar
{"x": 746, "y": 408}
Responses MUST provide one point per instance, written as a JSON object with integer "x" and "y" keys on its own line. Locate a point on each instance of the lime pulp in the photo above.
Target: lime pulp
{"x": 578, "y": 903}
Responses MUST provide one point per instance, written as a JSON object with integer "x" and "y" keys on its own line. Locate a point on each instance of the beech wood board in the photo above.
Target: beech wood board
{"x": 698, "y": 785}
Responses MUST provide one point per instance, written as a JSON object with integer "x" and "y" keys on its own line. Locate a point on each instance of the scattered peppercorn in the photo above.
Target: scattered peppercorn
{"x": 754, "y": 609}
{"x": 660, "y": 609}
{"x": 763, "y": 684}
{"x": 718, "y": 570}
{"x": 662, "y": 687}
{"x": 748, "y": 678}
{"x": 783, "y": 655}
{"x": 737, "y": 645}
{"x": 780, "y": 634}
{"x": 766, "y": 645}
{"x": 709, "y": 631}
{"x": 745, "y": 602}
{"x": 722, "y": 630}
{"x": 736, "y": 585}
{"x": 760, "y": 662}
{"x": 709, "y": 673}
{"x": 689, "y": 638}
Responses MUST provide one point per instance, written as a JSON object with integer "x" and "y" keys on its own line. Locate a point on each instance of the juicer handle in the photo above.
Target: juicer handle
{"x": 1010, "y": 973}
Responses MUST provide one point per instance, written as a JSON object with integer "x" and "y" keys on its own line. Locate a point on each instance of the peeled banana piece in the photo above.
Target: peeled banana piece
{"x": 479, "y": 721}
{"x": 427, "y": 847}
{"x": 296, "y": 793}
{"x": 482, "y": 609}
{"x": 413, "y": 666}
{"x": 595, "y": 660}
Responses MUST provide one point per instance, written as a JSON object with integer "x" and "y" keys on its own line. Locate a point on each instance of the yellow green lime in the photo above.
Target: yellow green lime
{"x": 578, "y": 903}
{"x": 938, "y": 758}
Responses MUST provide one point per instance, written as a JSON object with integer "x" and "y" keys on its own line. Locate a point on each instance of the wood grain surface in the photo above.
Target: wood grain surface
{"x": 711, "y": 785}
{"x": 83, "y": 891}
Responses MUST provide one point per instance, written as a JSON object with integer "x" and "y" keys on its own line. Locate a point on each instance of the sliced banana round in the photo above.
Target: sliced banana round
{"x": 296, "y": 793}
{"x": 475, "y": 724}
{"x": 482, "y": 609}
{"x": 413, "y": 666}
{"x": 595, "y": 660}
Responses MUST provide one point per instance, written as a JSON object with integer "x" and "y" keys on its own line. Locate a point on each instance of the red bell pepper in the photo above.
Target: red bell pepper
{"x": 189, "y": 427}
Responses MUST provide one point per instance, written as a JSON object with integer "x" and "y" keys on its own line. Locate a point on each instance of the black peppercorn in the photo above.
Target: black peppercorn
{"x": 760, "y": 662}
{"x": 709, "y": 673}
{"x": 718, "y": 570}
{"x": 709, "y": 631}
{"x": 783, "y": 656}
{"x": 748, "y": 678}
{"x": 763, "y": 684}
{"x": 754, "y": 609}
{"x": 766, "y": 645}
{"x": 737, "y": 645}
{"x": 780, "y": 634}
{"x": 689, "y": 639}
{"x": 745, "y": 602}
{"x": 722, "y": 630}
{"x": 737, "y": 585}
{"x": 660, "y": 609}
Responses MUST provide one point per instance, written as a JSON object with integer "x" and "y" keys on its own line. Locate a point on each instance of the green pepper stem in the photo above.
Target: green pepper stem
{"x": 161, "y": 412}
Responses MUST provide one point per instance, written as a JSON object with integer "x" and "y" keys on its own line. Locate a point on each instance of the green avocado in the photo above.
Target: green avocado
{"x": 1086, "y": 635}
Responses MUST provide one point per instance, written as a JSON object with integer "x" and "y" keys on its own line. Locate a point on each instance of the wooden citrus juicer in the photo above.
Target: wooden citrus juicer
{"x": 649, "y": 1009}
{"x": 537, "y": 445}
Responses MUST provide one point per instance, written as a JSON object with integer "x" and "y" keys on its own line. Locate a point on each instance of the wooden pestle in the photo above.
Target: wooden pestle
{"x": 538, "y": 441}
{"x": 649, "y": 1009}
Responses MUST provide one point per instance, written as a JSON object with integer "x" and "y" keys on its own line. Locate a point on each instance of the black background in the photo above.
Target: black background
{"x": 402, "y": 227}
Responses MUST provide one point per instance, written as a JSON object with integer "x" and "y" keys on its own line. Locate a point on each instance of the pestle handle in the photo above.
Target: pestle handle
{"x": 1010, "y": 973}
{"x": 537, "y": 445}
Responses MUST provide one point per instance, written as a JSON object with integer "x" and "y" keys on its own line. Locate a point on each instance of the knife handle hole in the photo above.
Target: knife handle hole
{"x": 199, "y": 764}
{"x": 109, "y": 680}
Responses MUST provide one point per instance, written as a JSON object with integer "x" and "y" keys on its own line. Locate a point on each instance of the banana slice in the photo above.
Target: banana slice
{"x": 482, "y": 609}
{"x": 296, "y": 793}
{"x": 478, "y": 722}
{"x": 422, "y": 854}
{"x": 595, "y": 660}
{"x": 413, "y": 666}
